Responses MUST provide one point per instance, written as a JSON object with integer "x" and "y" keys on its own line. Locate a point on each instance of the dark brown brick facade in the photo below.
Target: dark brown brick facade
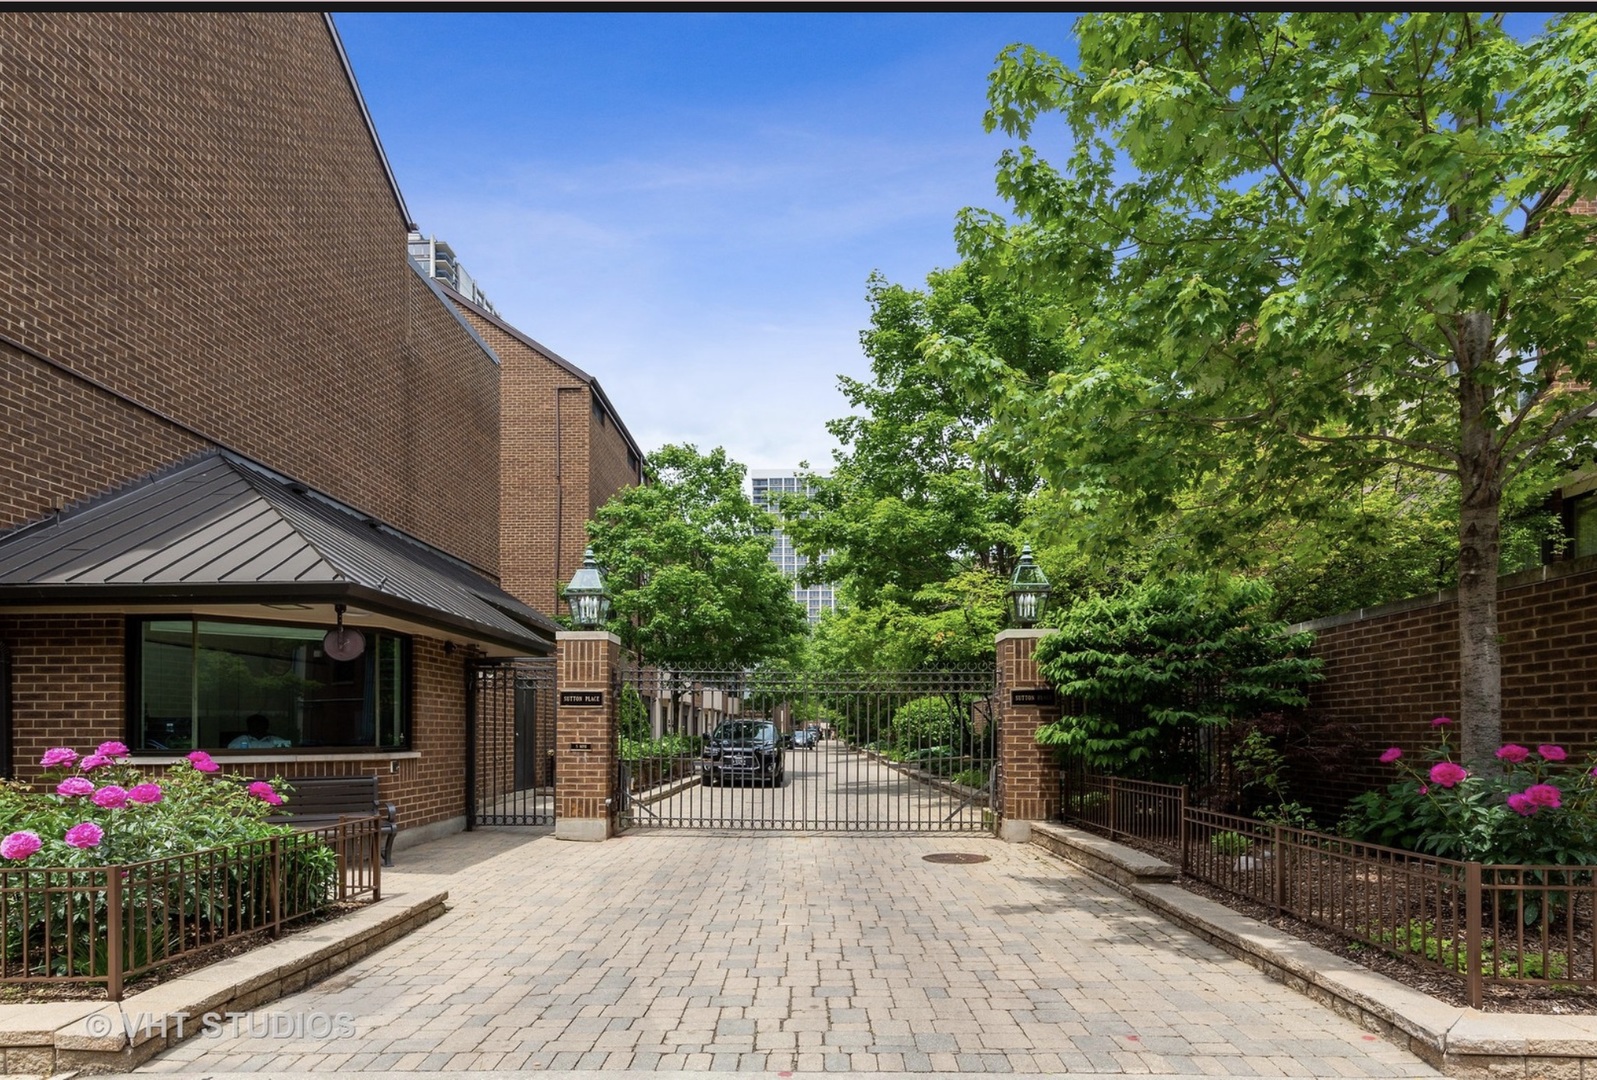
{"x": 196, "y": 218}
{"x": 1391, "y": 671}
{"x": 204, "y": 249}
{"x": 562, "y": 456}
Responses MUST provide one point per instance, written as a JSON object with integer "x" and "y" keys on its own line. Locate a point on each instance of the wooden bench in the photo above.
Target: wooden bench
{"x": 327, "y": 800}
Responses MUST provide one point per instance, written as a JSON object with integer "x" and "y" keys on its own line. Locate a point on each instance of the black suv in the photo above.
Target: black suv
{"x": 743, "y": 750}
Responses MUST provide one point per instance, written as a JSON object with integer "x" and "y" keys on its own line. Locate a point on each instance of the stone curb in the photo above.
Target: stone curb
{"x": 1458, "y": 1041}
{"x": 101, "y": 1037}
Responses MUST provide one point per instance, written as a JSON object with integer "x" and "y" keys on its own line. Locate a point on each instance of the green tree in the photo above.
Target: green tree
{"x": 1288, "y": 251}
{"x": 919, "y": 520}
{"x": 688, "y": 561}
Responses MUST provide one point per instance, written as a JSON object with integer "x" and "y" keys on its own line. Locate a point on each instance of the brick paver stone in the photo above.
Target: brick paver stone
{"x": 797, "y": 953}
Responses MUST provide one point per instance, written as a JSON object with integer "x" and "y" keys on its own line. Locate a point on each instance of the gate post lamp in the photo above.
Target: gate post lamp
{"x": 1028, "y": 591}
{"x": 587, "y": 597}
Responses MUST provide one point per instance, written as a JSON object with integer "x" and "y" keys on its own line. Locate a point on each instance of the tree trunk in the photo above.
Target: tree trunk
{"x": 1479, "y": 552}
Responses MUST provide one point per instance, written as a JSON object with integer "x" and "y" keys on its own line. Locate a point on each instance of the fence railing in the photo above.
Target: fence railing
{"x": 1133, "y": 809}
{"x": 1478, "y": 923}
{"x": 108, "y": 924}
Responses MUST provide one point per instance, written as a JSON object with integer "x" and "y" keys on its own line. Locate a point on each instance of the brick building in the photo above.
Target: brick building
{"x": 229, "y": 403}
{"x": 563, "y": 452}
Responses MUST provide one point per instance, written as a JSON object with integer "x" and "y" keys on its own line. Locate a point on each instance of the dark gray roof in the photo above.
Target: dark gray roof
{"x": 224, "y": 529}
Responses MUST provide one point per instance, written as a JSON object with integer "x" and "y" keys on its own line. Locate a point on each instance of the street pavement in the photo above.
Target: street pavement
{"x": 788, "y": 954}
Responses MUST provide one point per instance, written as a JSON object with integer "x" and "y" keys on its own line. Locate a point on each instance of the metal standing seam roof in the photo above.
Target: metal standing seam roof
{"x": 222, "y": 527}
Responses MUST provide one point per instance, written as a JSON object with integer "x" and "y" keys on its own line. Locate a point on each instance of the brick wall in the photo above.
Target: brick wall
{"x": 196, "y": 218}
{"x": 1390, "y": 671}
{"x": 559, "y": 462}
{"x": 68, "y": 689}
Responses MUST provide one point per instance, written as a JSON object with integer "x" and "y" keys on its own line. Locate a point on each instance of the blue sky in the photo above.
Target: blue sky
{"x": 688, "y": 205}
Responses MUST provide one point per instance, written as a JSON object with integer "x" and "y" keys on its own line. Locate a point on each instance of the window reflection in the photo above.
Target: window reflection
{"x": 206, "y": 684}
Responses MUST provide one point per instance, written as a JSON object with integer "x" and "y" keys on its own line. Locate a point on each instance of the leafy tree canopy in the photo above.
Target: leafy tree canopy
{"x": 1284, "y": 252}
{"x": 688, "y": 562}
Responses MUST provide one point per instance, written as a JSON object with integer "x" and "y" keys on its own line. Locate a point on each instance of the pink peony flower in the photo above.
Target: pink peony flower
{"x": 1446, "y": 774}
{"x": 85, "y": 835}
{"x": 19, "y": 845}
{"x": 202, "y": 761}
{"x": 112, "y": 749}
{"x": 75, "y": 786}
{"x": 1512, "y": 753}
{"x": 1520, "y": 803}
{"x": 1425, "y": 789}
{"x": 1391, "y": 754}
{"x": 1551, "y": 753}
{"x": 1545, "y": 795}
{"x": 145, "y": 794}
{"x": 58, "y": 755}
{"x": 95, "y": 761}
{"x": 1441, "y": 721}
{"x": 265, "y": 792}
{"x": 111, "y": 797}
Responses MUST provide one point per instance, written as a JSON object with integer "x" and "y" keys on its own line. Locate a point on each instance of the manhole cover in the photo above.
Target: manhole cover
{"x": 956, "y": 857}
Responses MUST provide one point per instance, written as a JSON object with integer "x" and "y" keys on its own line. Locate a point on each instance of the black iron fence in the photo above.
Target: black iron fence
{"x": 865, "y": 750}
{"x": 105, "y": 925}
{"x": 1478, "y": 923}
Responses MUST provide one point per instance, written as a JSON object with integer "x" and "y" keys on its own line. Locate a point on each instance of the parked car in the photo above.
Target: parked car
{"x": 806, "y": 738}
{"x": 743, "y": 750}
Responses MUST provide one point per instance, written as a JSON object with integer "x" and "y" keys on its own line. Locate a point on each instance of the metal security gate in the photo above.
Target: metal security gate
{"x": 510, "y": 743}
{"x": 795, "y": 751}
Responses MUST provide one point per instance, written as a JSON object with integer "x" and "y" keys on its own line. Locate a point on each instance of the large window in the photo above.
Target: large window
{"x": 212, "y": 685}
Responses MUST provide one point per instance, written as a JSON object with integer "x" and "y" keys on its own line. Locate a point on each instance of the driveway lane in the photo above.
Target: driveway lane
{"x": 830, "y": 952}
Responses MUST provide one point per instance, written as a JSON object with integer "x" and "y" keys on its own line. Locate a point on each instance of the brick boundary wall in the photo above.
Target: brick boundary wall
{"x": 1390, "y": 670}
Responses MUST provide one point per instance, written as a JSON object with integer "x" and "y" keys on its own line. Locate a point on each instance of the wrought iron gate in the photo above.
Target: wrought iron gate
{"x": 510, "y": 743}
{"x": 795, "y": 751}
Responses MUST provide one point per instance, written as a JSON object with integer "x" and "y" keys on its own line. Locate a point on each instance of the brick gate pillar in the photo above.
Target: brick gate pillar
{"x": 1028, "y": 775}
{"x": 585, "y": 733}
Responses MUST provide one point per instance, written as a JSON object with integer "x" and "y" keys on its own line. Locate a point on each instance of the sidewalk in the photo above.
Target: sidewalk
{"x": 831, "y": 953}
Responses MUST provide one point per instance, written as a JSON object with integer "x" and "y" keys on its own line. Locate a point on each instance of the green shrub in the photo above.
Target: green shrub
{"x": 1148, "y": 666}
{"x": 921, "y": 725}
{"x": 1229, "y": 843}
{"x": 98, "y": 810}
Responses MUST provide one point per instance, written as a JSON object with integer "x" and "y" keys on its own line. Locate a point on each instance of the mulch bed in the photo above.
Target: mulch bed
{"x": 34, "y": 993}
{"x": 1496, "y": 997}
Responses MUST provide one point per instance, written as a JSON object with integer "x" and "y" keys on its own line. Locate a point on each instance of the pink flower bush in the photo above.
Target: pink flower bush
{"x": 1551, "y": 753}
{"x": 112, "y": 749}
{"x": 203, "y": 762}
{"x": 265, "y": 792}
{"x": 1512, "y": 753}
{"x": 111, "y": 797}
{"x": 1391, "y": 754}
{"x": 145, "y": 794}
{"x": 85, "y": 835}
{"x": 58, "y": 755}
{"x": 1441, "y": 721}
{"x": 1545, "y": 796}
{"x": 19, "y": 845}
{"x": 1446, "y": 774}
{"x": 75, "y": 786}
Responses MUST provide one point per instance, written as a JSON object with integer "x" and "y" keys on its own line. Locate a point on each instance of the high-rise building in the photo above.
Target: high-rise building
{"x": 766, "y": 489}
{"x": 437, "y": 260}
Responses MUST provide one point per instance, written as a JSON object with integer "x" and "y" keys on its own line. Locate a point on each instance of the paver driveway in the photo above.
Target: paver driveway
{"x": 790, "y": 952}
